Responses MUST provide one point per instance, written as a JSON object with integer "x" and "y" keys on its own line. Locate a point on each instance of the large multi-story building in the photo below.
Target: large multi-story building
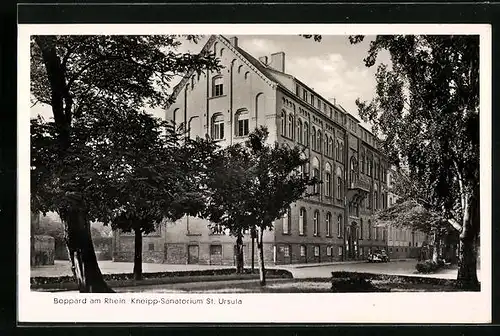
{"x": 402, "y": 241}
{"x": 336, "y": 223}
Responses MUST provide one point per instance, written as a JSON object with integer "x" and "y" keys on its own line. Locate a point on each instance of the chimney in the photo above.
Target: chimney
{"x": 278, "y": 61}
{"x": 332, "y": 100}
{"x": 234, "y": 41}
{"x": 263, "y": 59}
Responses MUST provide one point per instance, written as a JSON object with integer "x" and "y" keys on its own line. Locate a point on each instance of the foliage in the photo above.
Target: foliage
{"x": 427, "y": 109}
{"x": 96, "y": 85}
{"x": 429, "y": 266}
{"x": 255, "y": 183}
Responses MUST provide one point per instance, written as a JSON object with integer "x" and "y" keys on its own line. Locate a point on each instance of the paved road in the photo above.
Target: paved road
{"x": 406, "y": 267}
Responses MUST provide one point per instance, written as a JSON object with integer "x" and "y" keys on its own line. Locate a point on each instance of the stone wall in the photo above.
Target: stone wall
{"x": 42, "y": 250}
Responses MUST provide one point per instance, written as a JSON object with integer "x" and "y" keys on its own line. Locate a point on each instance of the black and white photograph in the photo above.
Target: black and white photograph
{"x": 201, "y": 169}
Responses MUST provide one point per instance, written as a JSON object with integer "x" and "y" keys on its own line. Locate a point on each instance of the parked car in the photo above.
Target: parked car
{"x": 378, "y": 256}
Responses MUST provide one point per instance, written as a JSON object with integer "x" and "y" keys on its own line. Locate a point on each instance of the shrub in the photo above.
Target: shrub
{"x": 353, "y": 282}
{"x": 429, "y": 266}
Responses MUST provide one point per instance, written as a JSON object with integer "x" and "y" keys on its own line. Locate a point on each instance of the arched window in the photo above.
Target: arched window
{"x": 283, "y": 123}
{"x": 302, "y": 221}
{"x": 316, "y": 174}
{"x": 339, "y": 226}
{"x": 328, "y": 224}
{"x": 239, "y": 68}
{"x": 316, "y": 223}
{"x": 217, "y": 86}
{"x": 332, "y": 147}
{"x": 369, "y": 229}
{"x": 363, "y": 162}
{"x": 361, "y": 236}
{"x": 353, "y": 172}
{"x": 306, "y": 134}
{"x": 290, "y": 126}
{"x": 337, "y": 151}
{"x": 286, "y": 221}
{"x": 218, "y": 126}
{"x": 299, "y": 131}
{"x": 313, "y": 138}
{"x": 320, "y": 141}
{"x": 328, "y": 180}
{"x": 339, "y": 183}
{"x": 241, "y": 123}
{"x": 327, "y": 146}
{"x": 375, "y": 200}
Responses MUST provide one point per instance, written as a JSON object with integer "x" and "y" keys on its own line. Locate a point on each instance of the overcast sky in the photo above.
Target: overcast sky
{"x": 333, "y": 67}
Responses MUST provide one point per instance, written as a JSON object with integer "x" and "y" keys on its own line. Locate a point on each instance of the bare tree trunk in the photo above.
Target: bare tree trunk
{"x": 260, "y": 247}
{"x": 239, "y": 254}
{"x": 81, "y": 253}
{"x": 252, "y": 232}
{"x": 437, "y": 245}
{"x": 137, "y": 254}
{"x": 467, "y": 262}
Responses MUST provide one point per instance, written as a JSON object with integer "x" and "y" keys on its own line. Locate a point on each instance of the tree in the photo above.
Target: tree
{"x": 427, "y": 109}
{"x": 255, "y": 184}
{"x": 93, "y": 75}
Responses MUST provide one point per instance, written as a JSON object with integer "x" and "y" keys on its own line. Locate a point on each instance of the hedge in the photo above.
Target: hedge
{"x": 127, "y": 279}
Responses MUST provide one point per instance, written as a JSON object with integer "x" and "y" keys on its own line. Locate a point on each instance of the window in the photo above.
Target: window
{"x": 353, "y": 171}
{"x": 328, "y": 184}
{"x": 363, "y": 162}
{"x": 329, "y": 251}
{"x": 339, "y": 187}
{"x": 316, "y": 223}
{"x": 332, "y": 148}
{"x": 306, "y": 134}
{"x": 218, "y": 88}
{"x": 283, "y": 123}
{"x": 302, "y": 221}
{"x": 218, "y": 126}
{"x": 376, "y": 233}
{"x": 242, "y": 128}
{"x": 369, "y": 229}
{"x": 286, "y": 222}
{"x": 151, "y": 247}
{"x": 337, "y": 151}
{"x": 313, "y": 138}
{"x": 361, "y": 228}
{"x": 339, "y": 226}
{"x": 316, "y": 251}
{"x": 375, "y": 200}
{"x": 299, "y": 131}
{"x": 297, "y": 90}
{"x": 290, "y": 126}
{"x": 340, "y": 250}
{"x": 304, "y": 95}
{"x": 216, "y": 250}
{"x": 302, "y": 250}
{"x": 286, "y": 251}
{"x": 315, "y": 165}
{"x": 328, "y": 224}
{"x": 312, "y": 100}
{"x": 320, "y": 141}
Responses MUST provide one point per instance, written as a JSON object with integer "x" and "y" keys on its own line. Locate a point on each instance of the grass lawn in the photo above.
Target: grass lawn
{"x": 312, "y": 285}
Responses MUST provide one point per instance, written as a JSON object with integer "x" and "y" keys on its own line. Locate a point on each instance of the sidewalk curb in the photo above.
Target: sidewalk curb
{"x": 334, "y": 263}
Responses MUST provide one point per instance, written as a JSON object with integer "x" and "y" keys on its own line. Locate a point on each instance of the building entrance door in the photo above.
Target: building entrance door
{"x": 193, "y": 254}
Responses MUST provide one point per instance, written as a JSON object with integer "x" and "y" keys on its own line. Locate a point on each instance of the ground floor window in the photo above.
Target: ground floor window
{"x": 329, "y": 251}
{"x": 361, "y": 251}
{"x": 216, "y": 250}
{"x": 286, "y": 251}
{"x": 151, "y": 247}
{"x": 302, "y": 250}
{"x": 316, "y": 251}
{"x": 340, "y": 250}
